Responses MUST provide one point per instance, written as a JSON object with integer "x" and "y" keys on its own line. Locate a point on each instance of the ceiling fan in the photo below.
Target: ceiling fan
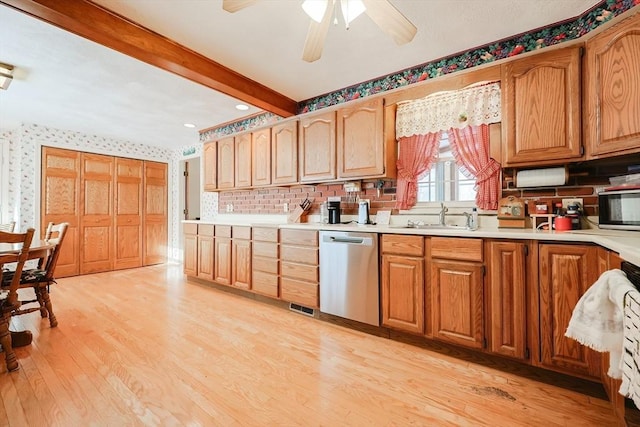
{"x": 382, "y": 12}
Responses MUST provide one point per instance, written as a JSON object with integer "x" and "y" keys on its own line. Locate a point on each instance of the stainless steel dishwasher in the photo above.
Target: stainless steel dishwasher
{"x": 349, "y": 275}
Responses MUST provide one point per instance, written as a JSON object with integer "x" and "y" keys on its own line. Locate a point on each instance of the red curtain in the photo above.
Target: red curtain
{"x": 470, "y": 147}
{"x": 417, "y": 153}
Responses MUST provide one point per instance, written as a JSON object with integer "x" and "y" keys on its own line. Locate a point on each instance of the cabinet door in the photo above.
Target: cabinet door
{"x": 60, "y": 203}
{"x": 241, "y": 263}
{"x": 155, "y": 221}
{"x": 541, "y": 108}
{"x": 566, "y": 272}
{"x": 210, "y": 166}
{"x": 226, "y": 163}
{"x": 360, "y": 140}
{"x": 128, "y": 213}
{"x": 205, "y": 257}
{"x": 222, "y": 260}
{"x": 402, "y": 293}
{"x": 261, "y": 157}
{"x": 507, "y": 298}
{"x": 317, "y": 144}
{"x": 96, "y": 213}
{"x": 190, "y": 262}
{"x": 243, "y": 160}
{"x": 612, "y": 90}
{"x": 457, "y": 302}
{"x": 284, "y": 153}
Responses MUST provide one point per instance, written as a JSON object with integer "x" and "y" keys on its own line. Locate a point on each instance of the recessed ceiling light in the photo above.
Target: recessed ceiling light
{"x": 189, "y": 125}
{"x": 242, "y": 107}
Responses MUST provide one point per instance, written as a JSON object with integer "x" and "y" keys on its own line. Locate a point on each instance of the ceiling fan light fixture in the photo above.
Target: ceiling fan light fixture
{"x": 315, "y": 8}
{"x": 351, "y": 9}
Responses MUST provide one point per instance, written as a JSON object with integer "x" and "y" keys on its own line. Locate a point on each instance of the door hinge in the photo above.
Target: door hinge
{"x": 185, "y": 173}
{"x": 185, "y": 211}
{"x": 484, "y": 270}
{"x": 582, "y": 150}
{"x": 526, "y": 353}
{"x": 484, "y": 342}
{"x": 526, "y": 250}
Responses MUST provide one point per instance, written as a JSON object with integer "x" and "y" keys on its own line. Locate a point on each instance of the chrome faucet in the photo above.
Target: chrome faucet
{"x": 443, "y": 211}
{"x": 468, "y": 224}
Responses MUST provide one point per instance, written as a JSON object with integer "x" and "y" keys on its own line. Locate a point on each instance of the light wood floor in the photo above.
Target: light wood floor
{"x": 144, "y": 347}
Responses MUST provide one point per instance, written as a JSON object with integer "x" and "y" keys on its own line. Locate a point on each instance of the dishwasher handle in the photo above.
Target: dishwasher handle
{"x": 362, "y": 241}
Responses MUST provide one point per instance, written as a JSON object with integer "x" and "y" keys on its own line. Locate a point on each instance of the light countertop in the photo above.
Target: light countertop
{"x": 625, "y": 243}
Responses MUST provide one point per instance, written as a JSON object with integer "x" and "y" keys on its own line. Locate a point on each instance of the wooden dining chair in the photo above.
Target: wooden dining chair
{"x": 8, "y": 227}
{"x": 39, "y": 279}
{"x": 10, "y": 302}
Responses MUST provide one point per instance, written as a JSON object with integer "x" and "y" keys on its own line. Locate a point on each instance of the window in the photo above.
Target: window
{"x": 445, "y": 182}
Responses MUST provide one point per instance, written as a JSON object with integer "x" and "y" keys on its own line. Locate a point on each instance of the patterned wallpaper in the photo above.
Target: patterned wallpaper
{"x": 24, "y": 166}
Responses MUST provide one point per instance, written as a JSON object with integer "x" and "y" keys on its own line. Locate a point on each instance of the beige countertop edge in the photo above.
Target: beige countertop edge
{"x": 625, "y": 243}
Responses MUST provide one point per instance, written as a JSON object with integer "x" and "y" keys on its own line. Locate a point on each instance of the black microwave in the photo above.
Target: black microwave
{"x": 619, "y": 209}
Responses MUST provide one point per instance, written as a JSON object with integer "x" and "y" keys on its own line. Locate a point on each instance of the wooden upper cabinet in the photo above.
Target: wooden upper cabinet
{"x": 243, "y": 160}
{"x": 360, "y": 142}
{"x": 261, "y": 157}
{"x": 565, "y": 273}
{"x": 541, "y": 108}
{"x": 612, "y": 90}
{"x": 226, "y": 163}
{"x": 317, "y": 147}
{"x": 210, "y": 166}
{"x": 284, "y": 153}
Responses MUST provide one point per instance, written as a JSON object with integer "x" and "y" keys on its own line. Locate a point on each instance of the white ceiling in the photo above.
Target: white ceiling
{"x": 66, "y": 82}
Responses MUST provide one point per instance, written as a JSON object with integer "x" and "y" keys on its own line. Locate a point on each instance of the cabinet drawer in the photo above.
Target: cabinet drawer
{"x": 303, "y": 293}
{"x": 190, "y": 228}
{"x": 265, "y": 249}
{"x": 265, "y": 283}
{"x": 456, "y": 248}
{"x": 205, "y": 229}
{"x": 223, "y": 231}
{"x": 298, "y": 254}
{"x": 265, "y": 234}
{"x": 240, "y": 232}
{"x": 299, "y": 271}
{"x": 268, "y": 265}
{"x": 401, "y": 244}
{"x": 299, "y": 237}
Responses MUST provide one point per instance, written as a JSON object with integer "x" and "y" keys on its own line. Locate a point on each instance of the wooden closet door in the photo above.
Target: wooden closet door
{"x": 128, "y": 213}
{"x": 96, "y": 213}
{"x": 155, "y": 213}
{"x": 60, "y": 187}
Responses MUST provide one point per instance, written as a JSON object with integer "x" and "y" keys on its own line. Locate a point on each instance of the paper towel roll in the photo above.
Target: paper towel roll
{"x": 541, "y": 177}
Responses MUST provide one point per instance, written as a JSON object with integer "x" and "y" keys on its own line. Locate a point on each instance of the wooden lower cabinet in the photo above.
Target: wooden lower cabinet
{"x": 299, "y": 271}
{"x": 565, "y": 272}
{"x": 205, "y": 251}
{"x": 507, "y": 297}
{"x": 222, "y": 259}
{"x": 457, "y": 290}
{"x": 402, "y": 283}
{"x": 241, "y": 257}
{"x": 190, "y": 258}
{"x": 265, "y": 264}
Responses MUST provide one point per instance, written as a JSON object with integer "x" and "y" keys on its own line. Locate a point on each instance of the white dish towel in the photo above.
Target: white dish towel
{"x": 597, "y": 319}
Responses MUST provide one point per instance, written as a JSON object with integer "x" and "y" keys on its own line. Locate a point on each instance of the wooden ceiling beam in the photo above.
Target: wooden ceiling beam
{"x": 109, "y": 29}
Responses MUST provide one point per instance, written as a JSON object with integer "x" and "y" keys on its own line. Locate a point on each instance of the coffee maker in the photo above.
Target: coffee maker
{"x": 334, "y": 212}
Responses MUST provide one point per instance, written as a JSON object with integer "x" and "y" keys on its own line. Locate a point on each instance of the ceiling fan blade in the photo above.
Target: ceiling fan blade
{"x": 390, "y": 20}
{"x": 317, "y": 34}
{"x": 236, "y": 5}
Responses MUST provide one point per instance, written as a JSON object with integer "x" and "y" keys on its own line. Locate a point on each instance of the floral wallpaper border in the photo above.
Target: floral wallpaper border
{"x": 516, "y": 45}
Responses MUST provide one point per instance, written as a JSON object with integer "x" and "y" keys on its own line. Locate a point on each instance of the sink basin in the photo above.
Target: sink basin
{"x": 432, "y": 226}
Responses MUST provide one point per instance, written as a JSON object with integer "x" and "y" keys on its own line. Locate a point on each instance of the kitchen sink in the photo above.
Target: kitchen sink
{"x": 432, "y": 226}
